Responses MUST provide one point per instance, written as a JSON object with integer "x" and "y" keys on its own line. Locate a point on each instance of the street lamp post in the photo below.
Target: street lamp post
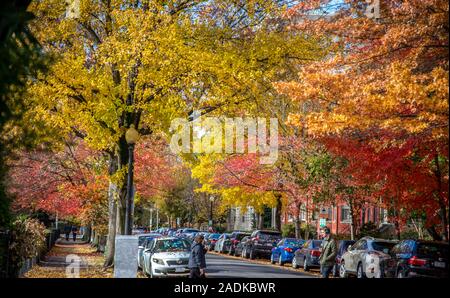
{"x": 131, "y": 137}
{"x": 211, "y": 200}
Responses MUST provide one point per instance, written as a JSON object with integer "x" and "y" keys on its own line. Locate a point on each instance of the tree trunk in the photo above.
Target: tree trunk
{"x": 260, "y": 221}
{"x": 278, "y": 208}
{"x": 434, "y": 233}
{"x": 352, "y": 220}
{"x": 297, "y": 222}
{"x": 442, "y": 206}
{"x": 112, "y": 214}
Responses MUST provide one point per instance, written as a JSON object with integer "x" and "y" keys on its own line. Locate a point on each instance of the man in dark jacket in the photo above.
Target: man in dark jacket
{"x": 328, "y": 253}
{"x": 197, "y": 263}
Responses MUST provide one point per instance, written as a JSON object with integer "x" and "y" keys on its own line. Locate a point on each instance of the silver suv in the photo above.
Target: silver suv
{"x": 366, "y": 258}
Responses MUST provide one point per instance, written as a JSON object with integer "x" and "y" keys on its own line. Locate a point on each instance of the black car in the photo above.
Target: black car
{"x": 308, "y": 255}
{"x": 261, "y": 243}
{"x": 235, "y": 238}
{"x": 239, "y": 248}
{"x": 342, "y": 248}
{"x": 419, "y": 258}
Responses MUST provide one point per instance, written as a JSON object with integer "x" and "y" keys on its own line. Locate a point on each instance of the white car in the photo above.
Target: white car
{"x": 166, "y": 256}
{"x": 366, "y": 258}
{"x": 142, "y": 242}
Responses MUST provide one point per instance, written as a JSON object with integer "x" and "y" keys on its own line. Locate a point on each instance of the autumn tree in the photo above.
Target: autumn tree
{"x": 385, "y": 82}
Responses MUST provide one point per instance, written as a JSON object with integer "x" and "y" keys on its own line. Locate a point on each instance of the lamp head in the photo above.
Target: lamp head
{"x": 132, "y": 135}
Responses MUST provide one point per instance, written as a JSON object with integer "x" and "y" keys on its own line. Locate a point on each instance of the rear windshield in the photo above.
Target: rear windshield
{"x": 383, "y": 246}
{"x": 240, "y": 236}
{"x": 190, "y": 231}
{"x": 294, "y": 242}
{"x": 316, "y": 243}
{"x": 432, "y": 250}
{"x": 269, "y": 236}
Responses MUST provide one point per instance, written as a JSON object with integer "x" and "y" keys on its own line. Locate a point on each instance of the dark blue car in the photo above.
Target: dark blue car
{"x": 418, "y": 258}
{"x": 285, "y": 249}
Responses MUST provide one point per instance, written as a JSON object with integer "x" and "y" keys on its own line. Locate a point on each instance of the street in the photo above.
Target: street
{"x": 219, "y": 266}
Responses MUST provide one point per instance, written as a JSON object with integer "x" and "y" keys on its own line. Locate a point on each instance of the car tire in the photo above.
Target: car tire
{"x": 360, "y": 272}
{"x": 305, "y": 265}
{"x": 294, "y": 263}
{"x": 342, "y": 272}
{"x": 280, "y": 261}
{"x": 272, "y": 261}
{"x": 252, "y": 254}
{"x": 401, "y": 273}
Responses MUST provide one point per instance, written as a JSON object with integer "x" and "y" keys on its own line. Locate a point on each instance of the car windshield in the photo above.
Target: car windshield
{"x": 383, "y": 246}
{"x": 172, "y": 245}
{"x": 293, "y": 242}
{"x": 432, "y": 250}
{"x": 269, "y": 236}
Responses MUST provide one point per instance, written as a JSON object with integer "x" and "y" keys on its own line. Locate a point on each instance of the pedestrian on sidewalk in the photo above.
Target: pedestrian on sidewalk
{"x": 197, "y": 263}
{"x": 74, "y": 233}
{"x": 328, "y": 253}
{"x": 67, "y": 230}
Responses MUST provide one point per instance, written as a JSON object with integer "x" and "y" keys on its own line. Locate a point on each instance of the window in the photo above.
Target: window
{"x": 243, "y": 218}
{"x": 345, "y": 214}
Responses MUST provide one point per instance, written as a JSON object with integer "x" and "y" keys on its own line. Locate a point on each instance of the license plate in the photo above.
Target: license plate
{"x": 180, "y": 269}
{"x": 439, "y": 264}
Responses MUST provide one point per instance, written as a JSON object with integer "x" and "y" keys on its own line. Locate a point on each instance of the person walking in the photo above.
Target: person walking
{"x": 328, "y": 253}
{"x": 74, "y": 233}
{"x": 197, "y": 263}
{"x": 67, "y": 230}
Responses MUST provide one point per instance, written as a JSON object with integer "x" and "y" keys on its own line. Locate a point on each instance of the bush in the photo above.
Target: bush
{"x": 27, "y": 240}
{"x": 288, "y": 230}
{"x": 369, "y": 229}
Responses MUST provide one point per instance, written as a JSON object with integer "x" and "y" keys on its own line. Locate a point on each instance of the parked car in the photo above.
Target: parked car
{"x": 367, "y": 255}
{"x": 418, "y": 258}
{"x": 239, "y": 247}
{"x": 142, "y": 241}
{"x": 261, "y": 243}
{"x": 189, "y": 232}
{"x": 285, "y": 249}
{"x": 223, "y": 243}
{"x": 171, "y": 232}
{"x": 342, "y": 248}
{"x": 211, "y": 240}
{"x": 236, "y": 237}
{"x": 166, "y": 256}
{"x": 308, "y": 255}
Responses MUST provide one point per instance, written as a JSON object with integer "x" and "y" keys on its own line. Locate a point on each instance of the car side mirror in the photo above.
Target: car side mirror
{"x": 349, "y": 248}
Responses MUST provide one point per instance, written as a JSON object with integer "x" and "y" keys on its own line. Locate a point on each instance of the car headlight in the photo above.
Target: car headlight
{"x": 158, "y": 261}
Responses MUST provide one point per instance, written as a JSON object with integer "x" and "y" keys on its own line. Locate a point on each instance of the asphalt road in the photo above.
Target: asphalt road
{"x": 225, "y": 267}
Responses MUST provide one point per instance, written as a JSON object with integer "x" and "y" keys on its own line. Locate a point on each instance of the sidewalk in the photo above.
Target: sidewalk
{"x": 63, "y": 254}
